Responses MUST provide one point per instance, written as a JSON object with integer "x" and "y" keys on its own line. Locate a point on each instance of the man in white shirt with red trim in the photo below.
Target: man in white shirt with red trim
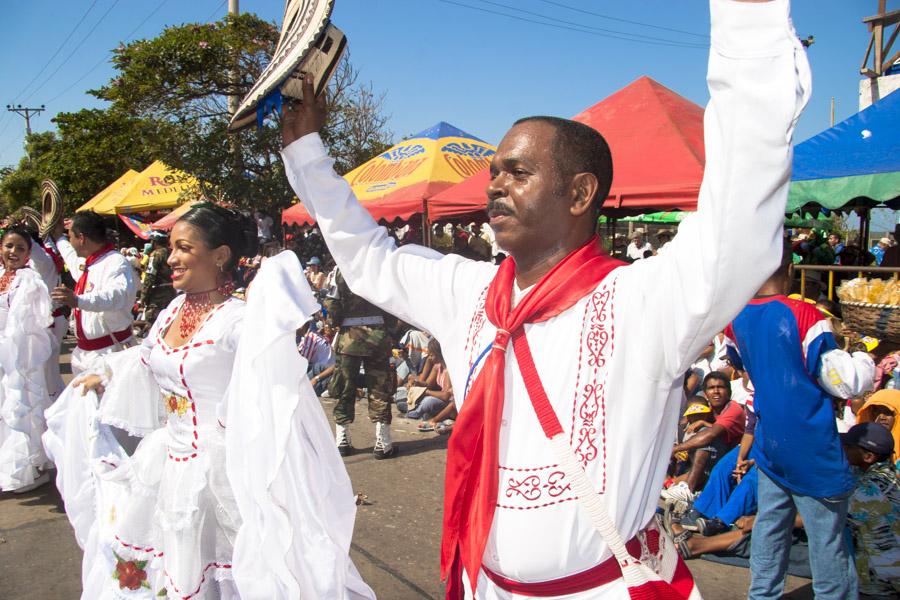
{"x": 104, "y": 294}
{"x": 570, "y": 364}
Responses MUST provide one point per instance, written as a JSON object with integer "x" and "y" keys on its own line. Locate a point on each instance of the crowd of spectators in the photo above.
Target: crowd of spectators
{"x": 713, "y": 494}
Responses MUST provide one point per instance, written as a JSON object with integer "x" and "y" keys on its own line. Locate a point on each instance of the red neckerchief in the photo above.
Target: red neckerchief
{"x": 57, "y": 259}
{"x": 470, "y": 492}
{"x": 81, "y": 284}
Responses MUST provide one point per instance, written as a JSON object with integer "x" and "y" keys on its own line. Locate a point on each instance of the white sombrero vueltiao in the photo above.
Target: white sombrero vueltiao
{"x": 309, "y": 43}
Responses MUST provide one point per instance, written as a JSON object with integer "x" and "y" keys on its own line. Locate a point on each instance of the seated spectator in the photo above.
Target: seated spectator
{"x": 730, "y": 491}
{"x": 416, "y": 344}
{"x": 693, "y": 466}
{"x": 883, "y": 407}
{"x": 725, "y": 432}
{"x": 442, "y": 422}
{"x": 733, "y": 546}
{"x": 874, "y": 512}
{"x": 439, "y": 389}
{"x": 404, "y": 371}
{"x": 317, "y": 352}
{"x": 713, "y": 358}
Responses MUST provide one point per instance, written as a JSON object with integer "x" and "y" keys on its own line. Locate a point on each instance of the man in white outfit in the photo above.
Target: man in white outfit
{"x": 569, "y": 364}
{"x": 104, "y": 294}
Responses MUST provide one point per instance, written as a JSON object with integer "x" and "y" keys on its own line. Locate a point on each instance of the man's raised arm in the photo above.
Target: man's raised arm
{"x": 759, "y": 82}
{"x": 414, "y": 283}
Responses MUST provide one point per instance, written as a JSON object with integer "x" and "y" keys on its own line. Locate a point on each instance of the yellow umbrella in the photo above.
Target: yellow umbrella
{"x": 157, "y": 187}
{"x": 397, "y": 183}
{"x": 119, "y": 183}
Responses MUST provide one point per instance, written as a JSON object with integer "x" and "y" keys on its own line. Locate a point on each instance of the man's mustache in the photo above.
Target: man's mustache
{"x": 498, "y": 208}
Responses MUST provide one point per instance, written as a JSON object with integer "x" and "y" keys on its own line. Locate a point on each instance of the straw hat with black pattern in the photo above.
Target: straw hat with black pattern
{"x": 309, "y": 43}
{"x": 51, "y": 207}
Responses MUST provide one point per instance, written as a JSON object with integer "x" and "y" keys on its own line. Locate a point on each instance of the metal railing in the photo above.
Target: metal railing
{"x": 832, "y": 269}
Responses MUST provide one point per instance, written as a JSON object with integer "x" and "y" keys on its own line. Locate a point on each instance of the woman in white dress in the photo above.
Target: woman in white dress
{"x": 186, "y": 515}
{"x": 24, "y": 349}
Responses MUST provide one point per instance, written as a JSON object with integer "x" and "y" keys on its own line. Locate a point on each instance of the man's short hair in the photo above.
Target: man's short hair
{"x": 579, "y": 148}
{"x": 90, "y": 225}
{"x": 717, "y": 375}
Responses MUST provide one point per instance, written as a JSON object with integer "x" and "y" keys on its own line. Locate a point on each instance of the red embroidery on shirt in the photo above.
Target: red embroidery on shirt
{"x": 535, "y": 486}
{"x": 475, "y": 327}
{"x": 588, "y": 430}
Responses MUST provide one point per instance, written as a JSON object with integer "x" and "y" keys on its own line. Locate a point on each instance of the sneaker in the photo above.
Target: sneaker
{"x": 711, "y": 527}
{"x": 678, "y": 492}
{"x": 689, "y": 520}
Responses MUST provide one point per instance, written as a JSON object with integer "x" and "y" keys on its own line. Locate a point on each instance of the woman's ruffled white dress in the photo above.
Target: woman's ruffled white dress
{"x": 24, "y": 349}
{"x": 236, "y": 489}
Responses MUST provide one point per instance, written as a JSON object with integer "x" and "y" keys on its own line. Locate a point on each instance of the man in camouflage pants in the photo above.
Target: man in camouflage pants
{"x": 157, "y": 291}
{"x": 363, "y": 340}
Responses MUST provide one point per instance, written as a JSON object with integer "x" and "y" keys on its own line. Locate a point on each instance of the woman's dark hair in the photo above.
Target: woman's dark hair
{"x": 90, "y": 225}
{"x": 219, "y": 226}
{"x": 434, "y": 350}
{"x": 19, "y": 231}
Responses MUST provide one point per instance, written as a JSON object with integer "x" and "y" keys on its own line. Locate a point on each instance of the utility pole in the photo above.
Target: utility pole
{"x": 234, "y": 10}
{"x": 832, "y": 111}
{"x": 27, "y": 112}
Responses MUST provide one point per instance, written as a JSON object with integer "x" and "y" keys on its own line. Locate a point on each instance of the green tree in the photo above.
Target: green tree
{"x": 168, "y": 101}
{"x": 20, "y": 186}
{"x": 183, "y": 78}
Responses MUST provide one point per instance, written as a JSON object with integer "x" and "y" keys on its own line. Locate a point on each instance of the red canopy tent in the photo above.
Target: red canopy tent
{"x": 656, "y": 138}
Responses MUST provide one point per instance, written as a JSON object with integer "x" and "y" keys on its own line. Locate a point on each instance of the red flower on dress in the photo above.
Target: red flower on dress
{"x": 131, "y": 573}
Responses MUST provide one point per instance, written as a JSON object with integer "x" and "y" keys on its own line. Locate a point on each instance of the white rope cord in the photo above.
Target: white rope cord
{"x": 597, "y": 511}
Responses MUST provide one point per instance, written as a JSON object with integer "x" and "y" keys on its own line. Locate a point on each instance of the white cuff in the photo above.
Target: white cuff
{"x": 305, "y": 150}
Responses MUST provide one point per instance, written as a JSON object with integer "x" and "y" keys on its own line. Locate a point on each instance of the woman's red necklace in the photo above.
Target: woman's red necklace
{"x": 193, "y": 311}
{"x": 6, "y": 280}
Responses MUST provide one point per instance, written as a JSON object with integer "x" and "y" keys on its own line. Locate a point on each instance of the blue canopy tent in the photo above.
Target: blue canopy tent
{"x": 853, "y": 165}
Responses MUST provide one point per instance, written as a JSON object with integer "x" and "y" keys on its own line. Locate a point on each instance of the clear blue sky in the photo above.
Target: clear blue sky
{"x": 437, "y": 60}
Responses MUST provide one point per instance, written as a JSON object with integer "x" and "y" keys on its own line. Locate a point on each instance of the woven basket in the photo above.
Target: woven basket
{"x": 881, "y": 321}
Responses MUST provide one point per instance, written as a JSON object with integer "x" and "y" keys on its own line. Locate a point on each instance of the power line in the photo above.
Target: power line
{"x": 636, "y": 36}
{"x": 58, "y": 49}
{"x": 104, "y": 58}
{"x": 215, "y": 12}
{"x": 577, "y": 28}
{"x": 75, "y": 49}
{"x": 611, "y": 18}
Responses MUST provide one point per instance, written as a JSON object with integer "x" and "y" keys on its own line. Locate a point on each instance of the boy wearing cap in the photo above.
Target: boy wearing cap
{"x": 693, "y": 466}
{"x": 874, "y": 512}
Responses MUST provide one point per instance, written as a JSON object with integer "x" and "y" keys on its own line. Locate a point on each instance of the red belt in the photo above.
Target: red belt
{"x": 104, "y": 342}
{"x": 606, "y": 572}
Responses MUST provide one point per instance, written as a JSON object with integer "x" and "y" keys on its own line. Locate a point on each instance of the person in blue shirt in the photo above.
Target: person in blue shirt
{"x": 788, "y": 349}
{"x": 879, "y": 248}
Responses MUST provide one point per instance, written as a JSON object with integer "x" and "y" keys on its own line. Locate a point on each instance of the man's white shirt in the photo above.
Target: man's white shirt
{"x": 612, "y": 364}
{"x": 109, "y": 295}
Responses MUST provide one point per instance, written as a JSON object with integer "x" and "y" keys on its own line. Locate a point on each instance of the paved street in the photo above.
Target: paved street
{"x": 395, "y": 547}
